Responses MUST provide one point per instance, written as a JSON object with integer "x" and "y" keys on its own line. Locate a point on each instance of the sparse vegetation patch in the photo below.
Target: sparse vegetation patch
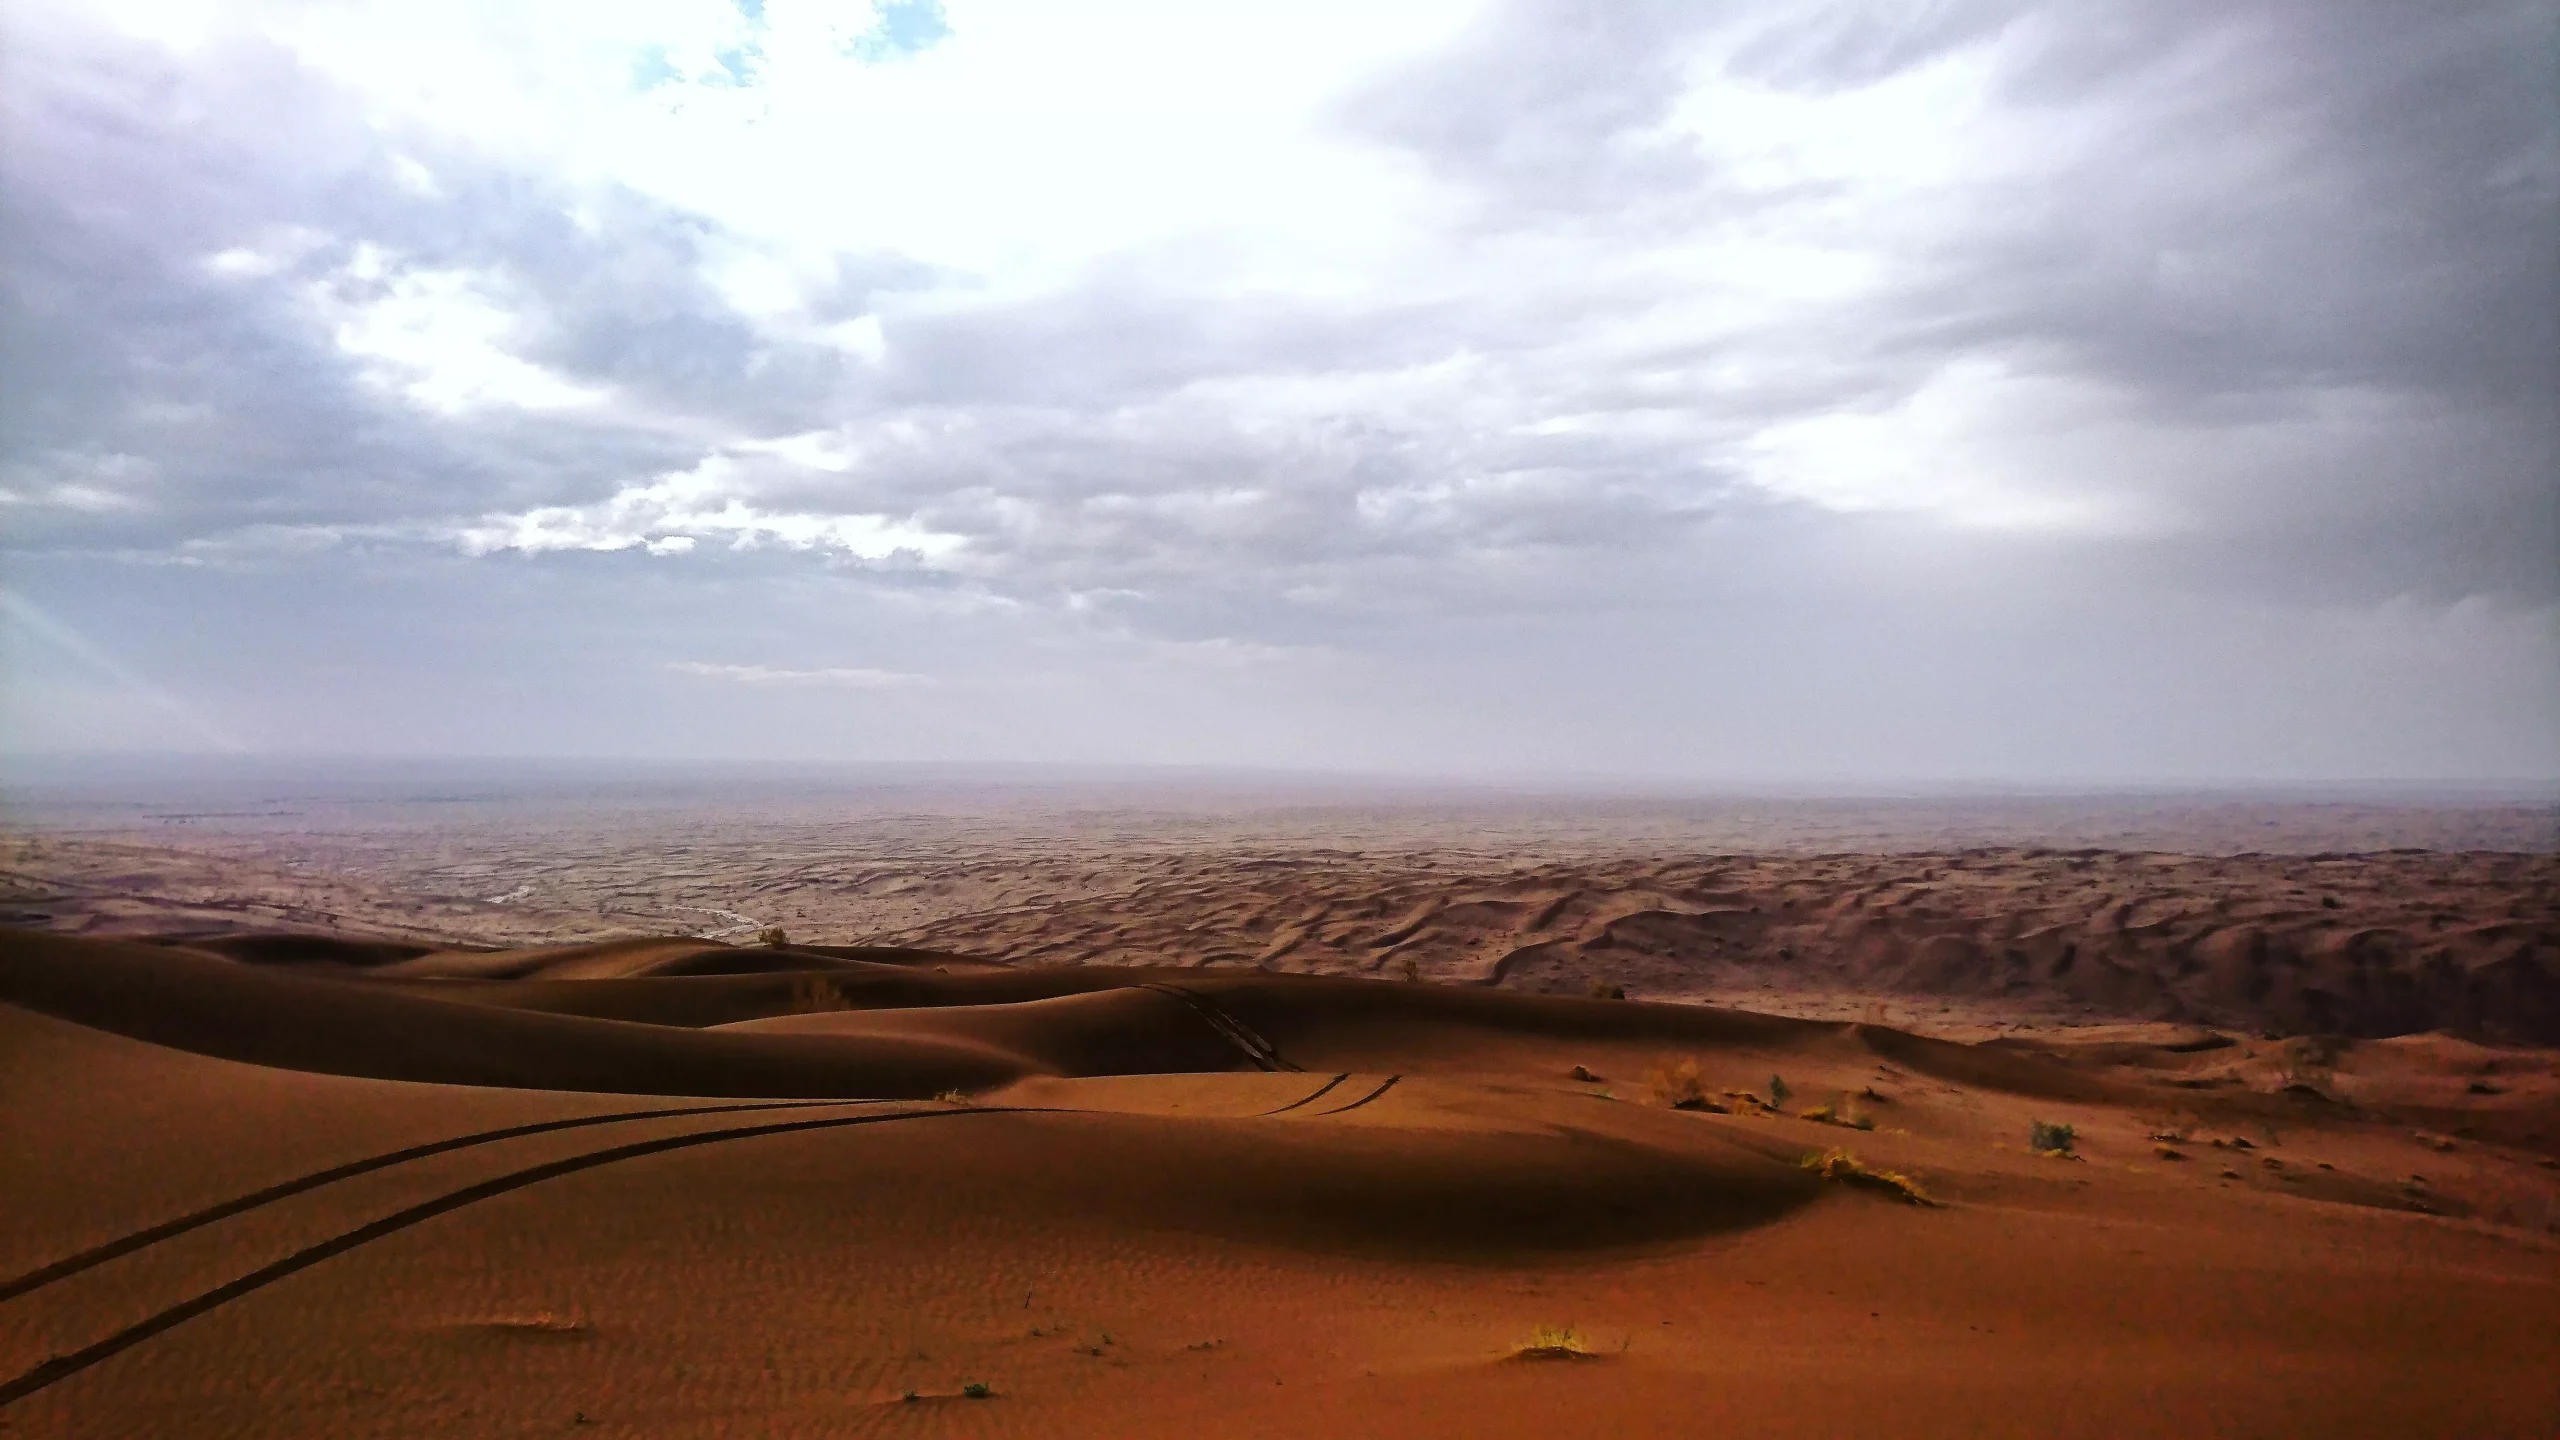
{"x": 1680, "y": 1086}
{"x": 1554, "y": 1342}
{"x": 2046, "y": 1137}
{"x": 1848, "y": 1169}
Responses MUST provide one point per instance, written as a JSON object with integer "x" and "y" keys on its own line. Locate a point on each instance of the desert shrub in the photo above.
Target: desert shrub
{"x": 2048, "y": 1138}
{"x": 1778, "y": 1092}
{"x": 1847, "y": 1169}
{"x": 772, "y": 935}
{"x": 1557, "y": 1341}
{"x": 953, "y": 1096}
{"x": 1603, "y": 990}
{"x": 977, "y": 1389}
{"x": 1409, "y": 968}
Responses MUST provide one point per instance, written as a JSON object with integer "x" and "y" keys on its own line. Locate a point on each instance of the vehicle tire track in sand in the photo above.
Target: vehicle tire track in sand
{"x": 1365, "y": 1099}
{"x": 62, "y": 1367}
{"x": 1260, "y": 1051}
{"x": 1321, "y": 1091}
{"x": 97, "y": 1255}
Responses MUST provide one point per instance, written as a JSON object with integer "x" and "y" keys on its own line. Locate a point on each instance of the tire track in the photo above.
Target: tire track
{"x": 59, "y": 1368}
{"x": 1365, "y": 1099}
{"x": 97, "y": 1255}
{"x": 1321, "y": 1091}
{"x": 1258, "y": 1050}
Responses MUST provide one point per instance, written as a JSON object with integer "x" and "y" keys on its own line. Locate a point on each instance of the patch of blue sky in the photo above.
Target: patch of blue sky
{"x": 900, "y": 27}
{"x": 652, "y": 69}
{"x": 737, "y": 65}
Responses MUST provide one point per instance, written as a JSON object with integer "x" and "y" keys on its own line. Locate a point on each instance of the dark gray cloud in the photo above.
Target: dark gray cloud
{"x": 2208, "y": 314}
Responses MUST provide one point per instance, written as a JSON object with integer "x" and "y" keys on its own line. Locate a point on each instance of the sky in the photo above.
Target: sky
{"x": 2104, "y": 391}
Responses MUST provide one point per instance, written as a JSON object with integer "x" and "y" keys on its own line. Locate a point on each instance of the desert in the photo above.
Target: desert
{"x": 1000, "y": 1122}
{"x": 1445, "y": 720}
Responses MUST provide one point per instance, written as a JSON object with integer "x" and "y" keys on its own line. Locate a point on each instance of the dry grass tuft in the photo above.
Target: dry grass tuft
{"x": 1848, "y": 1169}
{"x": 540, "y": 1322}
{"x": 1681, "y": 1086}
{"x": 1554, "y": 1342}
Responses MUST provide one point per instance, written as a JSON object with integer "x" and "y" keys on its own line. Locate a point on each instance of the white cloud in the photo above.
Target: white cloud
{"x": 713, "y": 500}
{"x": 1978, "y": 446}
{"x": 87, "y": 481}
{"x": 1356, "y": 336}
{"x": 439, "y": 337}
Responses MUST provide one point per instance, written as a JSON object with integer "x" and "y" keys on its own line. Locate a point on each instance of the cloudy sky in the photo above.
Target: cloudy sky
{"x": 2073, "y": 391}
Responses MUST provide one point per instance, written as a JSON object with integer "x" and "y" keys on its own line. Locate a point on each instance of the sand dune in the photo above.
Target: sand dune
{"x": 296, "y": 1188}
{"x": 2233, "y": 916}
{"x": 2363, "y": 945}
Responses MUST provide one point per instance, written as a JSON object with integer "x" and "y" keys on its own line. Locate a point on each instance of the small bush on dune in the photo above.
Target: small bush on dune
{"x": 1554, "y": 1342}
{"x": 772, "y": 935}
{"x": 1603, "y": 990}
{"x": 2048, "y": 1138}
{"x": 1681, "y": 1087}
{"x": 1848, "y": 1169}
{"x": 953, "y": 1096}
{"x": 977, "y": 1390}
{"x": 1778, "y": 1092}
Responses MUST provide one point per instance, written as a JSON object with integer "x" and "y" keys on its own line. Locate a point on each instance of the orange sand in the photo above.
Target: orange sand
{"x": 306, "y": 1189}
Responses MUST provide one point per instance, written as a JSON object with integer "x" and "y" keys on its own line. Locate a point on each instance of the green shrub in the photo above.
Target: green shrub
{"x": 2047, "y": 1138}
